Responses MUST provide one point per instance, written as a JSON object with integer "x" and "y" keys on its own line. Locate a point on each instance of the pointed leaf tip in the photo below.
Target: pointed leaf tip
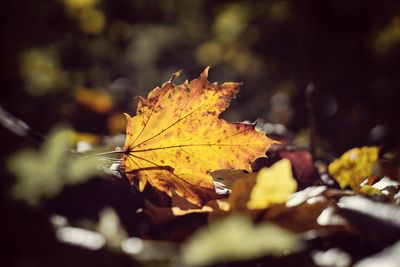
{"x": 175, "y": 75}
{"x": 205, "y": 72}
{"x": 127, "y": 116}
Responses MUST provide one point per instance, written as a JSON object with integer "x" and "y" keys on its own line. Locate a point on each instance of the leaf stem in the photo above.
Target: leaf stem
{"x": 123, "y": 151}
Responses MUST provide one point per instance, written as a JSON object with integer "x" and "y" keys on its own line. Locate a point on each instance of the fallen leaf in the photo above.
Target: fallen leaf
{"x": 274, "y": 185}
{"x": 298, "y": 219}
{"x": 303, "y": 166}
{"x": 228, "y": 177}
{"x": 176, "y": 139}
{"x": 239, "y": 183}
{"x": 387, "y": 187}
{"x": 305, "y": 195}
{"x": 369, "y": 190}
{"x": 354, "y": 166}
{"x": 374, "y": 220}
{"x": 176, "y": 211}
{"x": 236, "y": 238}
{"x": 158, "y": 215}
{"x": 241, "y": 190}
{"x": 328, "y": 217}
{"x": 385, "y": 182}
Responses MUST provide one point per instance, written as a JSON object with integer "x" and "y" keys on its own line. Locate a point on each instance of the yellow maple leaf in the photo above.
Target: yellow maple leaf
{"x": 176, "y": 139}
{"x": 274, "y": 185}
{"x": 354, "y": 166}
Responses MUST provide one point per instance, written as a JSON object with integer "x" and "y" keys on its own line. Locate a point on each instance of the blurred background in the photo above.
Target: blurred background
{"x": 82, "y": 61}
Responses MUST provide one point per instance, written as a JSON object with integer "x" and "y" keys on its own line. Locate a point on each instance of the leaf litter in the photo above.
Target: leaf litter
{"x": 204, "y": 192}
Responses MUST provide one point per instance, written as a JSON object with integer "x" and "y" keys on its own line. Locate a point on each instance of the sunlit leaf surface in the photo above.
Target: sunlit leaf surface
{"x": 176, "y": 138}
{"x": 274, "y": 185}
{"x": 354, "y": 166}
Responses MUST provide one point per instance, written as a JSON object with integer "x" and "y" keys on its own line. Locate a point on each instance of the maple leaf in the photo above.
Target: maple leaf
{"x": 176, "y": 139}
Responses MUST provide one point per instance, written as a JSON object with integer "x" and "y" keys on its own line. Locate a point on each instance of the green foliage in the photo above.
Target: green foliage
{"x": 236, "y": 238}
{"x": 44, "y": 173}
{"x": 42, "y": 72}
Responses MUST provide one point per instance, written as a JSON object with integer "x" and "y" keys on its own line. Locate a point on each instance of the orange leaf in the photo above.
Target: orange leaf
{"x": 97, "y": 100}
{"x": 176, "y": 139}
